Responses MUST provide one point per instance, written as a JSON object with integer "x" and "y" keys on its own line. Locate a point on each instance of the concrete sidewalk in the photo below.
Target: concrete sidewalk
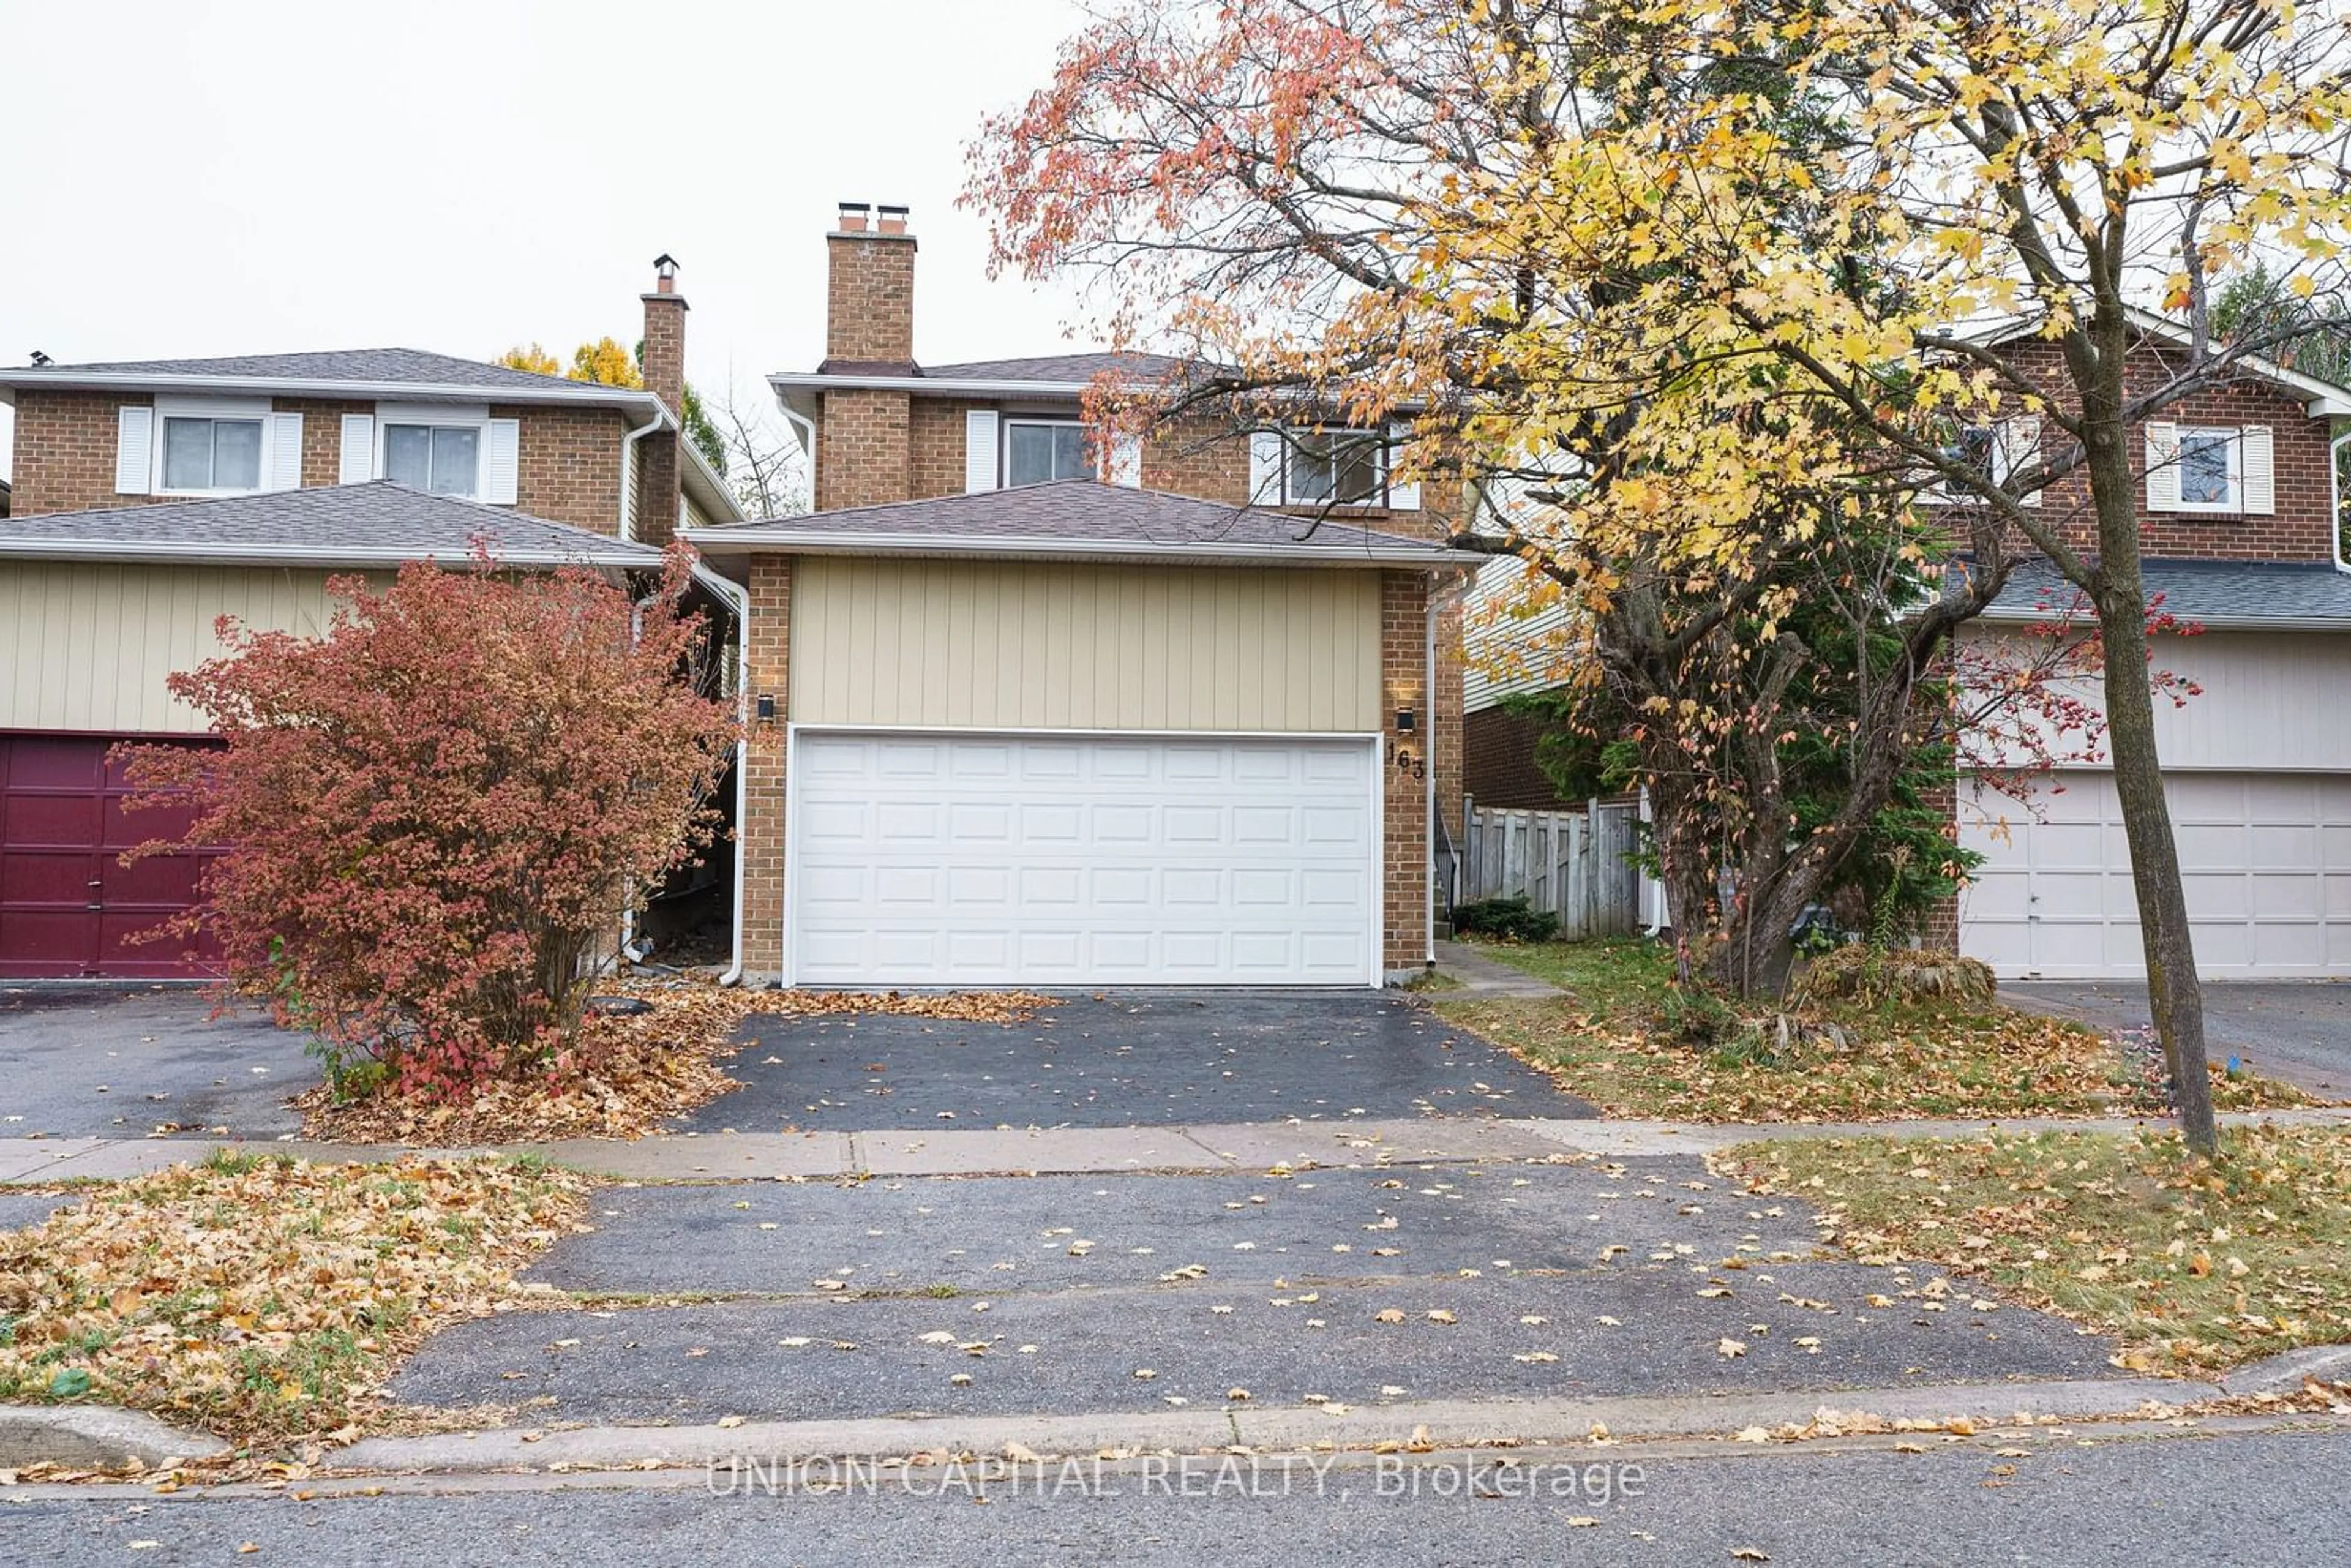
{"x": 1077, "y": 1151}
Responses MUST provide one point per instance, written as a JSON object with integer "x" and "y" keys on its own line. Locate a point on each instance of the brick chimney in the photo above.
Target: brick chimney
{"x": 863, "y": 448}
{"x": 658, "y": 457}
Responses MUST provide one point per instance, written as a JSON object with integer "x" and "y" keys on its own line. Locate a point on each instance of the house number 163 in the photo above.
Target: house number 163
{"x": 1408, "y": 765}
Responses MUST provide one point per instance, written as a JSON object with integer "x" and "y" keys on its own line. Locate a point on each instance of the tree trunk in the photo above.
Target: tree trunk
{"x": 2175, "y": 996}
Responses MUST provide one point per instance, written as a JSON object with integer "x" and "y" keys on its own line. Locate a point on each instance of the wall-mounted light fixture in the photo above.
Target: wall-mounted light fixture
{"x": 767, "y": 707}
{"x": 1406, "y": 721}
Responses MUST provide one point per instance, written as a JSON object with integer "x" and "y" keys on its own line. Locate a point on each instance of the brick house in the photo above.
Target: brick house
{"x": 2240, "y": 505}
{"x": 150, "y": 497}
{"x": 1037, "y": 707}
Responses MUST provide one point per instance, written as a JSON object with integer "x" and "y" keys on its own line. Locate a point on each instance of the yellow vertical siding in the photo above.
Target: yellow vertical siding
{"x": 971, "y": 645}
{"x": 88, "y": 647}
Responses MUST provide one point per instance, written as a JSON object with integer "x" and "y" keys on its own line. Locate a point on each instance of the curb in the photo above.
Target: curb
{"x": 95, "y": 1436}
{"x": 1085, "y": 1151}
{"x": 1450, "y": 1423}
{"x": 2285, "y": 1372}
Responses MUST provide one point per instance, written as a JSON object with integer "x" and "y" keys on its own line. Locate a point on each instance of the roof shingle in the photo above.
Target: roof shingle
{"x": 2221, "y": 592}
{"x": 1089, "y": 512}
{"x": 389, "y": 366}
{"x": 327, "y": 525}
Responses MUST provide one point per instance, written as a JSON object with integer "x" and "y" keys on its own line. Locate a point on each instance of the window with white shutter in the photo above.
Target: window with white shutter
{"x": 134, "y": 444}
{"x": 285, "y": 452}
{"x": 1124, "y": 465}
{"x": 502, "y": 463}
{"x": 2259, "y": 467}
{"x": 1265, "y": 467}
{"x": 979, "y": 456}
{"x": 2162, "y": 467}
{"x": 357, "y": 464}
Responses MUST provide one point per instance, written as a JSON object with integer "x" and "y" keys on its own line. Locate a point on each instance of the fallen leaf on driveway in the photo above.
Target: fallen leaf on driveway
{"x": 1730, "y": 1347}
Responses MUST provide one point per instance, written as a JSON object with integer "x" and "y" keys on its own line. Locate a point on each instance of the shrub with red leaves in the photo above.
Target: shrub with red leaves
{"x": 439, "y": 808}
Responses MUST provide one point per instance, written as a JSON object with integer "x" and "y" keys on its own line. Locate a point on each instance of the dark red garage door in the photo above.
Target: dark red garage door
{"x": 68, "y": 904}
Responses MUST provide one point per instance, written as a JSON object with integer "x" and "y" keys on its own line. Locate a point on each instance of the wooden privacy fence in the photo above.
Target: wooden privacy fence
{"x": 1577, "y": 865}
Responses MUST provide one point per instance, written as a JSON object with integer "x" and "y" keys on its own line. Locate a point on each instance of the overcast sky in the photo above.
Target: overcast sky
{"x": 201, "y": 177}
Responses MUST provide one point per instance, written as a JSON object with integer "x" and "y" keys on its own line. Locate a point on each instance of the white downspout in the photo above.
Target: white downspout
{"x": 2335, "y": 495}
{"x": 1428, "y": 757}
{"x": 800, "y": 422}
{"x": 660, "y": 421}
{"x": 739, "y": 600}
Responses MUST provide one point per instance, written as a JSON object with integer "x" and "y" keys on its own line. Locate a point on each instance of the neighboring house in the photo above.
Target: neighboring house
{"x": 7, "y": 494}
{"x": 1032, "y": 707}
{"x": 97, "y": 608}
{"x": 2237, "y": 508}
{"x": 598, "y": 457}
{"x": 151, "y": 498}
{"x": 2238, "y": 502}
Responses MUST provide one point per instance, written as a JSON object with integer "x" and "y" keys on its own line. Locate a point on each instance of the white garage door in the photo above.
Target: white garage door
{"x": 2265, "y": 859}
{"x": 998, "y": 859}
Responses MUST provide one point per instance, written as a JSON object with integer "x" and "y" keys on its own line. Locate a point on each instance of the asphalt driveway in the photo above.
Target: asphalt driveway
{"x": 1128, "y": 1059}
{"x": 2299, "y": 1030}
{"x": 80, "y": 1062}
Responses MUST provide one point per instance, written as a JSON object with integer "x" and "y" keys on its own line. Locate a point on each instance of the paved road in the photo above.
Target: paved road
{"x": 1129, "y": 1059}
{"x": 2298, "y": 1030}
{"x": 1607, "y": 1279}
{"x": 2253, "y": 1499}
{"x": 105, "y": 1062}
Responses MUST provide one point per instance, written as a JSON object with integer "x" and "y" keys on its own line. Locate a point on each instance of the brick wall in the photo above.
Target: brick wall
{"x": 571, "y": 470}
{"x": 869, "y": 307}
{"x": 2303, "y": 527}
{"x": 862, "y": 449}
{"x": 65, "y": 440}
{"x": 761, "y": 850}
{"x": 1498, "y": 766}
{"x": 1404, "y": 680}
{"x": 934, "y": 446}
{"x": 322, "y": 438}
{"x": 65, "y": 452}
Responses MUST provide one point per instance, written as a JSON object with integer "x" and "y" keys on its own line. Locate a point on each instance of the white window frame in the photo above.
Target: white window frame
{"x": 441, "y": 416}
{"x": 250, "y": 411}
{"x": 1293, "y": 446}
{"x": 2234, "y": 438}
{"x": 1005, "y": 423}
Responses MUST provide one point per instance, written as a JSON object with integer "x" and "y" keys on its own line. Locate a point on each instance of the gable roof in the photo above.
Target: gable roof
{"x": 2321, "y": 399}
{"x": 376, "y": 524}
{"x": 2228, "y": 595}
{"x": 1075, "y": 519}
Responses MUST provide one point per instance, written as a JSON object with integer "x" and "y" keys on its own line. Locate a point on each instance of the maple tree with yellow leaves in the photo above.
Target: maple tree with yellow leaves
{"x": 1716, "y": 312}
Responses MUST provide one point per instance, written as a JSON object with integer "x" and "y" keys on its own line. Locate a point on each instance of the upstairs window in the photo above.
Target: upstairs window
{"x": 2225, "y": 470}
{"x": 440, "y": 459}
{"x": 1335, "y": 468}
{"x": 1038, "y": 451}
{"x": 204, "y": 454}
{"x": 2212, "y": 470}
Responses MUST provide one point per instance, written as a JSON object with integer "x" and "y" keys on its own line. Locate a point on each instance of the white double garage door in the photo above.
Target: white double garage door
{"x": 2265, "y": 859}
{"x": 996, "y": 859}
